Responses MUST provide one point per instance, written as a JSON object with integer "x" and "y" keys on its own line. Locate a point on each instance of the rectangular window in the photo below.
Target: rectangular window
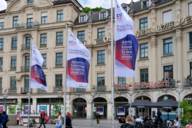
{"x": 100, "y": 80}
{"x": 100, "y": 33}
{"x": 81, "y": 36}
{"x": 15, "y": 21}
{"x": 44, "y": 18}
{"x": 59, "y": 59}
{"x": 27, "y": 42}
{"x": 1, "y": 63}
{"x": 82, "y": 18}
{"x": 190, "y": 68}
{"x": 29, "y": 1}
{"x": 190, "y": 9}
{"x": 26, "y": 83}
{"x": 143, "y": 23}
{"x": 60, "y": 15}
{"x": 13, "y": 63}
{"x": 27, "y": 61}
{"x": 167, "y": 47}
{"x": 103, "y": 15}
{"x": 144, "y": 77}
{"x": 29, "y": 21}
{"x": 144, "y": 50}
{"x": 14, "y": 43}
{"x": 167, "y": 16}
{"x": 190, "y": 40}
{"x": 43, "y": 40}
{"x": 121, "y": 80}
{"x": 45, "y": 60}
{"x": 1, "y": 43}
{"x": 58, "y": 81}
{"x": 101, "y": 57}
{"x": 1, "y": 25}
{"x": 168, "y": 72}
{"x": 13, "y": 83}
{"x": 59, "y": 38}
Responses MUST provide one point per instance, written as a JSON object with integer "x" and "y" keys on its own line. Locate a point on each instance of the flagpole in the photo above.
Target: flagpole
{"x": 29, "y": 89}
{"x": 65, "y": 83}
{"x": 112, "y": 66}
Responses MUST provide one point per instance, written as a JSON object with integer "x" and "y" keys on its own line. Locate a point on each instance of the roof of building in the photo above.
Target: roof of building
{"x": 57, "y": 2}
{"x": 2, "y": 11}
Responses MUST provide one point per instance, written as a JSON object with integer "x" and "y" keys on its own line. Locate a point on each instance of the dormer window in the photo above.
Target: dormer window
{"x": 82, "y": 18}
{"x": 103, "y": 15}
{"x": 29, "y": 1}
{"x": 145, "y": 4}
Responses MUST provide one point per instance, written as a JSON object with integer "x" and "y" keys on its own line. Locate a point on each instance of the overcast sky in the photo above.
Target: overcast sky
{"x": 89, "y": 3}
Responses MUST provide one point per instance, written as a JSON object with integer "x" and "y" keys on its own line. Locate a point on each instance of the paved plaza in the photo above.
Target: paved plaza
{"x": 83, "y": 124}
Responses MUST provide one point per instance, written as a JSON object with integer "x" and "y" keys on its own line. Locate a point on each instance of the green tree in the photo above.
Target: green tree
{"x": 187, "y": 111}
{"x": 88, "y": 9}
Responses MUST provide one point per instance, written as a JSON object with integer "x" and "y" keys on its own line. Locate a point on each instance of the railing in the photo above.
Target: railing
{"x": 24, "y": 68}
{"x": 57, "y": 89}
{"x": 77, "y": 90}
{"x": 24, "y": 90}
{"x": 27, "y": 25}
{"x": 101, "y": 88}
{"x": 25, "y": 47}
{"x": 188, "y": 82}
{"x": 144, "y": 32}
{"x": 40, "y": 91}
{"x": 145, "y": 85}
{"x": 12, "y": 91}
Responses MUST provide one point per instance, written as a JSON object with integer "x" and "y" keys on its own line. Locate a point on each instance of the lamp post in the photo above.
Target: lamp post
{"x": 130, "y": 104}
{"x": 5, "y": 100}
{"x": 179, "y": 90}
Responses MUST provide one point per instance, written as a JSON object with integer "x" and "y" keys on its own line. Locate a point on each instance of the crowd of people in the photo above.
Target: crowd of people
{"x": 147, "y": 122}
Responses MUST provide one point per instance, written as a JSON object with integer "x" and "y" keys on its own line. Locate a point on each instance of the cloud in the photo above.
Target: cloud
{"x": 3, "y": 5}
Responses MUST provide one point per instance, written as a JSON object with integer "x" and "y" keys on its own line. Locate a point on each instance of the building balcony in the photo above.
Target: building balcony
{"x": 12, "y": 91}
{"x": 24, "y": 90}
{"x": 101, "y": 88}
{"x": 57, "y": 89}
{"x": 102, "y": 40}
{"x": 24, "y": 68}
{"x": 188, "y": 81}
{"x": 77, "y": 90}
{"x": 40, "y": 91}
{"x": 144, "y": 32}
{"x": 29, "y": 25}
{"x": 25, "y": 47}
{"x": 146, "y": 85}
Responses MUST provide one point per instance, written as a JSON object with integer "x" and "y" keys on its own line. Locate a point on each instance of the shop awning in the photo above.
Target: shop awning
{"x": 166, "y": 104}
{"x": 142, "y": 103}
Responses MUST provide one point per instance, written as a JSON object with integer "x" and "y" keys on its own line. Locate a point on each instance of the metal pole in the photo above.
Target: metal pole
{"x": 179, "y": 92}
{"x": 112, "y": 66}
{"x": 65, "y": 83}
{"x": 29, "y": 89}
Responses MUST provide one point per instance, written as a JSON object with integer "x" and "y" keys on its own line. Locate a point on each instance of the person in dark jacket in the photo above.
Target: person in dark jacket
{"x": 4, "y": 119}
{"x": 68, "y": 120}
{"x": 42, "y": 119}
{"x": 129, "y": 123}
{"x": 1, "y": 121}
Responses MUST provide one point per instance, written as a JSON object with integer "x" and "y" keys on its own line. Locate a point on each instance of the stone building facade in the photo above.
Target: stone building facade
{"x": 164, "y": 62}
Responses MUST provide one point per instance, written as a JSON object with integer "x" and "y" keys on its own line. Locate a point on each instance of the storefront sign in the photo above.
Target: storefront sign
{"x": 120, "y": 111}
{"x": 100, "y": 110}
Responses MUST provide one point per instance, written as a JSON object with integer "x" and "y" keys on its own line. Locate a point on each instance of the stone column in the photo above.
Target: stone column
{"x": 153, "y": 59}
{"x": 89, "y": 110}
{"x": 109, "y": 110}
{"x": 34, "y": 105}
{"x": 178, "y": 56}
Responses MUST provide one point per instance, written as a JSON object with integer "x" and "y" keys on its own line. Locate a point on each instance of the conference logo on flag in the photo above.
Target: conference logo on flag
{"x": 78, "y": 63}
{"x": 126, "y": 43}
{"x": 38, "y": 79}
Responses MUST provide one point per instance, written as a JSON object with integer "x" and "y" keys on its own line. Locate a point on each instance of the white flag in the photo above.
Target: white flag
{"x": 126, "y": 43}
{"x": 78, "y": 62}
{"x": 37, "y": 79}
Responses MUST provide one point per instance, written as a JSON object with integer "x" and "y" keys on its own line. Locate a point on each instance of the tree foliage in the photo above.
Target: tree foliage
{"x": 187, "y": 111}
{"x": 88, "y": 9}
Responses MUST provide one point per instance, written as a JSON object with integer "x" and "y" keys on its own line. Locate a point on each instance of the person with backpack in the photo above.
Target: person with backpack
{"x": 59, "y": 121}
{"x": 42, "y": 119}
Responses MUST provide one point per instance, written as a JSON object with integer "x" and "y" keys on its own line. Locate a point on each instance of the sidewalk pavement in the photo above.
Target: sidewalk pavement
{"x": 80, "y": 123}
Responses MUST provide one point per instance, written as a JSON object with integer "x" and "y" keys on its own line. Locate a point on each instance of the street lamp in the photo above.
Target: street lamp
{"x": 179, "y": 90}
{"x": 5, "y": 100}
{"x": 131, "y": 96}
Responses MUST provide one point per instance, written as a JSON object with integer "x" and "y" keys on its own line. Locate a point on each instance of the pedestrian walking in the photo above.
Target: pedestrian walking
{"x": 129, "y": 123}
{"x": 42, "y": 119}
{"x": 97, "y": 117}
{"x": 18, "y": 118}
{"x": 5, "y": 119}
{"x": 58, "y": 121}
{"x": 68, "y": 120}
